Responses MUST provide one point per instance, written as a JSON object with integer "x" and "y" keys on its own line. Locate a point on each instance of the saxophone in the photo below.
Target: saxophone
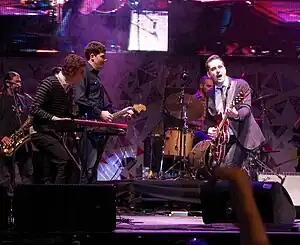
{"x": 17, "y": 139}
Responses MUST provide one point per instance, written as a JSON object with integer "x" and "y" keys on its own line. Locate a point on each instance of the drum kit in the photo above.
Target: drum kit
{"x": 178, "y": 141}
{"x": 178, "y": 147}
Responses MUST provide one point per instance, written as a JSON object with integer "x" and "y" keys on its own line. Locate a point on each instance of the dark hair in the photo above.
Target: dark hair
{"x": 211, "y": 58}
{"x": 94, "y": 47}
{"x": 72, "y": 63}
{"x": 203, "y": 79}
{"x": 8, "y": 77}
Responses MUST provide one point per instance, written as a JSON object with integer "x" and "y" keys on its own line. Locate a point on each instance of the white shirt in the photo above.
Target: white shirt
{"x": 218, "y": 96}
{"x": 62, "y": 79}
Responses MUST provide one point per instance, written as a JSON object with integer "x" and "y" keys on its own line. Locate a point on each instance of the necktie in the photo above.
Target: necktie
{"x": 223, "y": 96}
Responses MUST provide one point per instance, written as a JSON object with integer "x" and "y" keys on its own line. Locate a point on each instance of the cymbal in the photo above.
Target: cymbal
{"x": 263, "y": 97}
{"x": 194, "y": 107}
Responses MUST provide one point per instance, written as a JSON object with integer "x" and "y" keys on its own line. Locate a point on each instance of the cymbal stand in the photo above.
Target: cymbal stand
{"x": 183, "y": 133}
{"x": 183, "y": 161}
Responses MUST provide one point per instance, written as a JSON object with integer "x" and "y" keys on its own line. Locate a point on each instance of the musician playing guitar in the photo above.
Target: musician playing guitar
{"x": 90, "y": 98}
{"x": 240, "y": 133}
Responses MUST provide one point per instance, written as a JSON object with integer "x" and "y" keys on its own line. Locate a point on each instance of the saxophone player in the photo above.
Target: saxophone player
{"x": 13, "y": 113}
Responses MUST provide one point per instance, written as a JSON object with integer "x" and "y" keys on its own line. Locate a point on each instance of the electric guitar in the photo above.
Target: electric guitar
{"x": 136, "y": 108}
{"x": 218, "y": 144}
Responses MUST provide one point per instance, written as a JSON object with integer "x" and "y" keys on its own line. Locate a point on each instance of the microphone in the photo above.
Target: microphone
{"x": 28, "y": 96}
{"x": 184, "y": 75}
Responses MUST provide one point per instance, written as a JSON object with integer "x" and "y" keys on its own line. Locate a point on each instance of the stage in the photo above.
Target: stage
{"x": 169, "y": 212}
{"x": 156, "y": 211}
{"x": 160, "y": 229}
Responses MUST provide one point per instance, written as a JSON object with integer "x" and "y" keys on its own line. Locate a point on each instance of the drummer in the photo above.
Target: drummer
{"x": 205, "y": 83}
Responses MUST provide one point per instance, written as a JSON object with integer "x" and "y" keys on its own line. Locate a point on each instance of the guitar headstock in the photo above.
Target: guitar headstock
{"x": 239, "y": 98}
{"x": 139, "y": 108}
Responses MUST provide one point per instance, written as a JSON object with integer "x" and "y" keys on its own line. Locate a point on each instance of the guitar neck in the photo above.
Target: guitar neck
{"x": 119, "y": 113}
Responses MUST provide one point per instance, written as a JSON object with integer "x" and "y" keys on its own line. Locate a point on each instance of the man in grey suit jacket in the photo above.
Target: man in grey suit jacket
{"x": 245, "y": 134}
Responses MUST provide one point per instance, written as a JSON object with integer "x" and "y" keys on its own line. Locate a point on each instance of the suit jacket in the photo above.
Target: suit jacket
{"x": 246, "y": 129}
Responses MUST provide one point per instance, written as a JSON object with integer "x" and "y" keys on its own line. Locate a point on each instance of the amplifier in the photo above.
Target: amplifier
{"x": 289, "y": 180}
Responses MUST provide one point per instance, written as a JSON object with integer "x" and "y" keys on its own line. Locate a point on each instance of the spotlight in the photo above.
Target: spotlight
{"x": 197, "y": 241}
{"x": 133, "y": 3}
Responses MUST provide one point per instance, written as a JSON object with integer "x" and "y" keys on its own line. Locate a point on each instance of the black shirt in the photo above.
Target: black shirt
{"x": 9, "y": 121}
{"x": 50, "y": 100}
{"x": 89, "y": 95}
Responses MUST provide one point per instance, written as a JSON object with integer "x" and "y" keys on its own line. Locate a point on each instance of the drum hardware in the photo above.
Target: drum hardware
{"x": 255, "y": 162}
{"x": 180, "y": 106}
{"x": 264, "y": 113}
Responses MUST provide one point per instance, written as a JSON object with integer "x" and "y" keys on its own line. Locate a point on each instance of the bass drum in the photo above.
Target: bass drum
{"x": 198, "y": 159}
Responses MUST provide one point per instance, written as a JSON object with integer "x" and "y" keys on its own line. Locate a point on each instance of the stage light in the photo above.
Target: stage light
{"x": 197, "y": 241}
{"x": 133, "y": 3}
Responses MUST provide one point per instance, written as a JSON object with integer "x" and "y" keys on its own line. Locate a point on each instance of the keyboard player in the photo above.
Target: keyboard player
{"x": 54, "y": 101}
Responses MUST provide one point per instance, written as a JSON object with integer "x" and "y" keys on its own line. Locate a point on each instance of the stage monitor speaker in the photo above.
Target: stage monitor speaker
{"x": 64, "y": 208}
{"x": 272, "y": 200}
{"x": 290, "y": 181}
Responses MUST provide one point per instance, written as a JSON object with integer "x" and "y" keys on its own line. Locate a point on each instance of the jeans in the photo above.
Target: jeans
{"x": 91, "y": 147}
{"x": 199, "y": 136}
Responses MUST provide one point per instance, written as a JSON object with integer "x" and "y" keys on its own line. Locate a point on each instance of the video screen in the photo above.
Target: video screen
{"x": 148, "y": 31}
{"x": 234, "y": 28}
{"x": 68, "y": 25}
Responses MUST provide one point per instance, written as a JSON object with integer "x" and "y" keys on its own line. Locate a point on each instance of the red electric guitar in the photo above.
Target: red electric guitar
{"x": 218, "y": 145}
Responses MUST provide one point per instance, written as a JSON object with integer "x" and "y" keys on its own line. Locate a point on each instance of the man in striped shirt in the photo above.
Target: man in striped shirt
{"x": 53, "y": 101}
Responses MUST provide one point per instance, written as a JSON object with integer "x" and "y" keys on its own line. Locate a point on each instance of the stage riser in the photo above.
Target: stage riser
{"x": 158, "y": 194}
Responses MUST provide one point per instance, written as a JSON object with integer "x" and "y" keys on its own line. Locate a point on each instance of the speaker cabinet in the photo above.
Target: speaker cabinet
{"x": 65, "y": 208}
{"x": 272, "y": 200}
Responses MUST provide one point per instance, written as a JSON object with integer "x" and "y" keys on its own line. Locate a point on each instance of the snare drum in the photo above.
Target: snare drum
{"x": 172, "y": 142}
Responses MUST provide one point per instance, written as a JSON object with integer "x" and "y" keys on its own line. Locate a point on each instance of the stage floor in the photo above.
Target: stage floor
{"x": 188, "y": 225}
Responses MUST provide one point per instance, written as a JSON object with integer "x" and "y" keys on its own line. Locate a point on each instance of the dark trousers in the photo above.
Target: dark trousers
{"x": 17, "y": 169}
{"x": 57, "y": 158}
{"x": 200, "y": 136}
{"x": 235, "y": 153}
{"x": 91, "y": 147}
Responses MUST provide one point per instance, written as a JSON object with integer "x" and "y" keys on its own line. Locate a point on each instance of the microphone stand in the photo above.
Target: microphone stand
{"x": 16, "y": 108}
